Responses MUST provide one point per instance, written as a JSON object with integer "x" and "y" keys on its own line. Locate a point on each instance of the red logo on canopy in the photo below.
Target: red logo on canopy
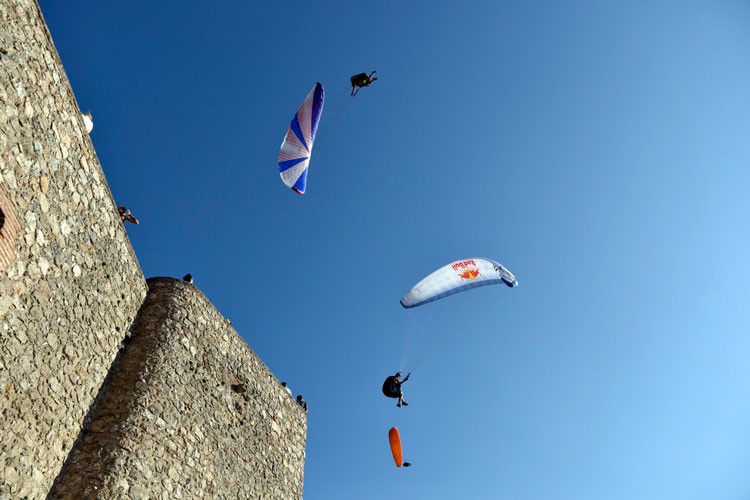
{"x": 470, "y": 274}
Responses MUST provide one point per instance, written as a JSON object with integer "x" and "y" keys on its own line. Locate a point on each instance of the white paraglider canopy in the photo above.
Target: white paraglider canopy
{"x": 457, "y": 277}
{"x": 426, "y": 324}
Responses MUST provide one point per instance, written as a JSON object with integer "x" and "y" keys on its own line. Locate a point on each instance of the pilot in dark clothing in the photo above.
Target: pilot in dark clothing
{"x": 392, "y": 388}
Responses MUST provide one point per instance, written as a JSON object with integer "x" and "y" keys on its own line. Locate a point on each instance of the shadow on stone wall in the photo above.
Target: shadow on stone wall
{"x": 187, "y": 409}
{"x": 71, "y": 469}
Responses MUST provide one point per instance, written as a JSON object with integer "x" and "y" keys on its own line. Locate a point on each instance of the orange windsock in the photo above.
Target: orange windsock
{"x": 395, "y": 439}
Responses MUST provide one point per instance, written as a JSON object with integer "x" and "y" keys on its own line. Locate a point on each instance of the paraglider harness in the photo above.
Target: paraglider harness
{"x": 392, "y": 386}
{"x": 361, "y": 80}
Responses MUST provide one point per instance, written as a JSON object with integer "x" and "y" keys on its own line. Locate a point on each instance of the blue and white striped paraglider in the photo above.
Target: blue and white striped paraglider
{"x": 294, "y": 156}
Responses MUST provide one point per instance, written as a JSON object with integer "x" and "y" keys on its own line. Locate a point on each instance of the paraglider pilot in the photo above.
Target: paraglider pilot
{"x": 361, "y": 80}
{"x": 392, "y": 388}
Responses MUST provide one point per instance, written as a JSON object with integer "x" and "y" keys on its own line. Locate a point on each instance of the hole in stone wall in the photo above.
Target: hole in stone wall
{"x": 2, "y": 219}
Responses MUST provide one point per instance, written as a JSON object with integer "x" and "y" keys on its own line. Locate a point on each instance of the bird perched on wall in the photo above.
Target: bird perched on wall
{"x": 188, "y": 277}
{"x": 88, "y": 121}
{"x": 301, "y": 401}
{"x": 126, "y": 215}
{"x": 285, "y": 386}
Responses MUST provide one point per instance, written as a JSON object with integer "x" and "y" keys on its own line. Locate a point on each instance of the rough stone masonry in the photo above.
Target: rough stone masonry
{"x": 175, "y": 404}
{"x": 188, "y": 411}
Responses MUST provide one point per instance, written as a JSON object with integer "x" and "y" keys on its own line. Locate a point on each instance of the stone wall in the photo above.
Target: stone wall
{"x": 70, "y": 285}
{"x": 188, "y": 411}
{"x": 93, "y": 404}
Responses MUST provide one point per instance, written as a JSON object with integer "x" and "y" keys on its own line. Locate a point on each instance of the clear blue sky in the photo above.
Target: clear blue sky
{"x": 599, "y": 150}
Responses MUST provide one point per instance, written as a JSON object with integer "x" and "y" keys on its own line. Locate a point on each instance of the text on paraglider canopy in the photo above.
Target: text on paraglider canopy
{"x": 463, "y": 264}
